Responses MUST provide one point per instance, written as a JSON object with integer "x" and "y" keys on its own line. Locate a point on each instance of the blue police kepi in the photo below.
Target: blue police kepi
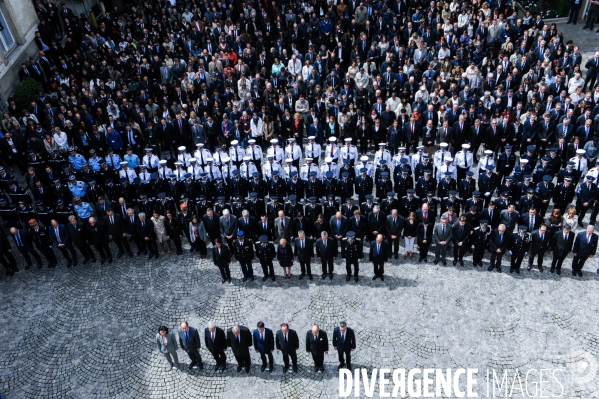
{"x": 78, "y": 188}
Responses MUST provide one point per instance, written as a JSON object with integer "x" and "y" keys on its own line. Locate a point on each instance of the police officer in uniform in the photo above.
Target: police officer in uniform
{"x": 364, "y": 185}
{"x": 519, "y": 247}
{"x": 265, "y": 252}
{"x": 353, "y": 254}
{"x": 480, "y": 238}
{"x": 563, "y": 194}
{"x": 243, "y": 249}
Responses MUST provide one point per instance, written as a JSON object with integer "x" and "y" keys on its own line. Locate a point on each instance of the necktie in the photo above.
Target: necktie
{"x": 112, "y": 220}
{"x": 302, "y": 246}
{"x": 588, "y": 238}
{"x": 443, "y": 230}
{"x": 261, "y": 337}
{"x": 212, "y": 334}
{"x": 57, "y": 235}
{"x": 285, "y": 338}
{"x": 542, "y": 235}
{"x": 378, "y": 249}
{"x": 394, "y": 219}
{"x": 143, "y": 224}
{"x": 565, "y": 237}
{"x": 500, "y": 238}
{"x": 186, "y": 336}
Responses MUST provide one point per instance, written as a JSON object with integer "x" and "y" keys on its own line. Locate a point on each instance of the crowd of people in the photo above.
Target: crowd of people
{"x": 320, "y": 127}
{"x": 240, "y": 339}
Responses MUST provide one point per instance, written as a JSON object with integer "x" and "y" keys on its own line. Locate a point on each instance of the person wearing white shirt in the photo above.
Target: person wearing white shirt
{"x": 277, "y": 152}
{"x": 307, "y": 168}
{"x": 365, "y": 163}
{"x": 127, "y": 172}
{"x": 349, "y": 152}
{"x": 463, "y": 160}
{"x": 293, "y": 152}
{"x": 332, "y": 151}
{"x": 195, "y": 169}
{"x": 163, "y": 170}
{"x": 151, "y": 160}
{"x": 313, "y": 149}
{"x": 183, "y": 156}
{"x": 247, "y": 168}
{"x": 201, "y": 155}
{"x": 382, "y": 154}
{"x": 270, "y": 166}
{"x": 236, "y": 153}
{"x": 212, "y": 170}
{"x": 448, "y": 167}
{"x": 327, "y": 166}
{"x": 441, "y": 155}
{"x": 61, "y": 138}
{"x": 294, "y": 66}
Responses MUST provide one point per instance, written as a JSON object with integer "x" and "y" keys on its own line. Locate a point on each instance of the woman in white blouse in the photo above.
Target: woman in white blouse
{"x": 61, "y": 139}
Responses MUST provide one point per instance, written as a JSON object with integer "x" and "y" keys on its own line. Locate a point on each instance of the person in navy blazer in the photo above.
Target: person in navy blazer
{"x": 344, "y": 342}
{"x": 378, "y": 258}
{"x": 239, "y": 339}
{"x": 264, "y": 343}
{"x": 62, "y": 242}
{"x": 585, "y": 247}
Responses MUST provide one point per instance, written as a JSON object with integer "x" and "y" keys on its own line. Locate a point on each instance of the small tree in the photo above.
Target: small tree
{"x": 26, "y": 91}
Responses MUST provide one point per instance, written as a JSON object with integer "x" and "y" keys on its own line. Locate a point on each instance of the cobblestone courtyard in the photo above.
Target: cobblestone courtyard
{"x": 88, "y": 331}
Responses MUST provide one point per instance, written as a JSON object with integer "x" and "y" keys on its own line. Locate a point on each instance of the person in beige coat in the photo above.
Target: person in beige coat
{"x": 160, "y": 231}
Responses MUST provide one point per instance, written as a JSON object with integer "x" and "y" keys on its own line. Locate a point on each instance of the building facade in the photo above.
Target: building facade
{"x": 19, "y": 23}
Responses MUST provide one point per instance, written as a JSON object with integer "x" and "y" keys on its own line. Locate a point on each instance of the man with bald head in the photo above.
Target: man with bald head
{"x": 216, "y": 342}
{"x": 317, "y": 343}
{"x": 239, "y": 339}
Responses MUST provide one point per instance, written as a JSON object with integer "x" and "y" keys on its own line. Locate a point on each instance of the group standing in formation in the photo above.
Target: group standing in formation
{"x": 274, "y": 131}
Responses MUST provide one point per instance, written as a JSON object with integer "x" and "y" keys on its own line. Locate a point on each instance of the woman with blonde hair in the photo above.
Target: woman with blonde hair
{"x": 570, "y": 217}
{"x": 285, "y": 257}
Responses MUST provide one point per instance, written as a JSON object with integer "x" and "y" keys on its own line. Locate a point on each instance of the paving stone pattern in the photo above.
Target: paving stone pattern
{"x": 88, "y": 331}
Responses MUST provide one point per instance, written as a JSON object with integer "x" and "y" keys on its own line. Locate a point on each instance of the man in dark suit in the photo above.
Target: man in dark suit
{"x": 531, "y": 220}
{"x": 264, "y": 343}
{"x": 326, "y": 250}
{"x": 221, "y": 256}
{"x": 344, "y": 342}
{"x": 146, "y": 233}
{"x": 116, "y": 230}
{"x": 189, "y": 340}
{"x": 358, "y": 225}
{"x": 461, "y": 237}
{"x": 97, "y": 235}
{"x": 265, "y": 227}
{"x": 287, "y": 342}
{"x": 304, "y": 252}
{"x": 239, "y": 339}
{"x": 499, "y": 241}
{"x": 216, "y": 342}
{"x": 539, "y": 241}
{"x": 585, "y": 246}
{"x": 25, "y": 246}
{"x": 492, "y": 215}
{"x": 59, "y": 237}
{"x": 76, "y": 231}
{"x": 39, "y": 235}
{"x": 561, "y": 244}
{"x": 379, "y": 253}
{"x": 212, "y": 224}
{"x": 338, "y": 225}
{"x": 376, "y": 223}
{"x": 393, "y": 228}
{"x": 317, "y": 343}
{"x": 131, "y": 227}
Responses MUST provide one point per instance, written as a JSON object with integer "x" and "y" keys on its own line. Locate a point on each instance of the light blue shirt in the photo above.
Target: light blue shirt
{"x": 77, "y": 161}
{"x": 84, "y": 210}
{"x": 78, "y": 189}
{"x": 132, "y": 160}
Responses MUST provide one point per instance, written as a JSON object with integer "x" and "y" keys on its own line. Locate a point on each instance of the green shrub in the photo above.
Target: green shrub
{"x": 26, "y": 91}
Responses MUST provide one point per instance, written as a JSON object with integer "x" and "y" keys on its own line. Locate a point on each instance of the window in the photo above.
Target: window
{"x": 6, "y": 39}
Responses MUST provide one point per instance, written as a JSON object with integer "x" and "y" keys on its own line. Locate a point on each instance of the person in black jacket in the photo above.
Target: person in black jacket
{"x": 221, "y": 256}
{"x": 216, "y": 342}
{"x": 212, "y": 224}
{"x": 39, "y": 235}
{"x": 561, "y": 245}
{"x": 189, "y": 341}
{"x": 287, "y": 342}
{"x": 116, "y": 230}
{"x": 174, "y": 233}
{"x": 76, "y": 231}
{"x": 499, "y": 241}
{"x": 132, "y": 234}
{"x": 376, "y": 223}
{"x": 239, "y": 339}
{"x": 265, "y": 252}
{"x": 353, "y": 255}
{"x": 344, "y": 342}
{"x": 461, "y": 238}
{"x": 146, "y": 233}
{"x": 326, "y": 250}
{"x": 379, "y": 253}
{"x": 317, "y": 343}
{"x": 304, "y": 253}
{"x": 6, "y": 257}
{"x": 424, "y": 238}
{"x": 97, "y": 235}
{"x": 25, "y": 246}
{"x": 264, "y": 343}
